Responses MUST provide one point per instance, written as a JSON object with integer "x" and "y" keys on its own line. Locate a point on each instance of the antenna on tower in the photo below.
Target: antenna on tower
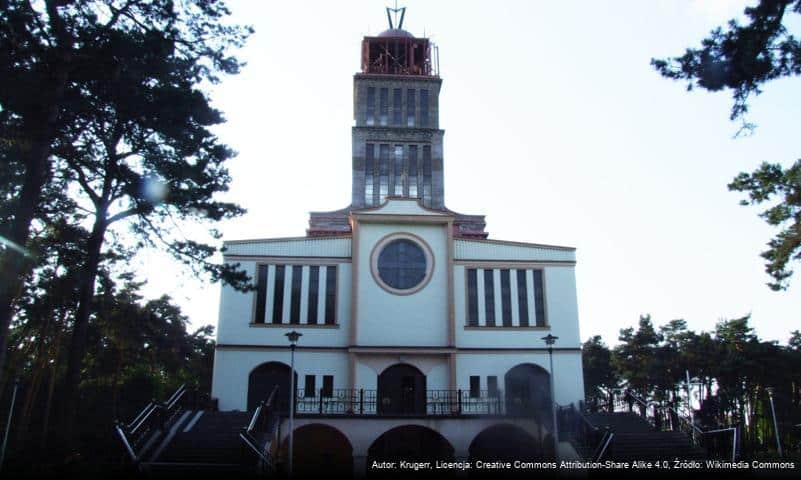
{"x": 396, "y": 11}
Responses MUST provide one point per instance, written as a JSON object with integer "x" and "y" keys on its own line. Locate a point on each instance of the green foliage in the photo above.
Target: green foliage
{"x": 742, "y": 58}
{"x": 730, "y": 370}
{"x": 771, "y": 182}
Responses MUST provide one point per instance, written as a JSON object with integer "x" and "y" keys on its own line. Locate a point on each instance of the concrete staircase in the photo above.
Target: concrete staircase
{"x": 205, "y": 443}
{"x": 636, "y": 439}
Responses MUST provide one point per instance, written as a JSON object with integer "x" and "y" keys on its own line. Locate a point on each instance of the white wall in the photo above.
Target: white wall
{"x": 569, "y": 383}
{"x": 232, "y": 369}
{"x": 419, "y": 319}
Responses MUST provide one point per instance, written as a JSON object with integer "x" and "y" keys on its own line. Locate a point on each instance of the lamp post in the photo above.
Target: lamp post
{"x": 775, "y": 425}
{"x": 293, "y": 337}
{"x": 550, "y": 340}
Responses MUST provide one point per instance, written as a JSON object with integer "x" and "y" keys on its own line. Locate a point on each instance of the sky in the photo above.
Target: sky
{"x": 556, "y": 128}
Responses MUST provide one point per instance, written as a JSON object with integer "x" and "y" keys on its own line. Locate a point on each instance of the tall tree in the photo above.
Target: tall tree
{"x": 141, "y": 152}
{"x": 48, "y": 72}
{"x": 600, "y": 377}
{"x": 742, "y": 58}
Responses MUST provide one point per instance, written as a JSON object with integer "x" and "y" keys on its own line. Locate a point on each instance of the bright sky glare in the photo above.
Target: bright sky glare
{"x": 557, "y": 129}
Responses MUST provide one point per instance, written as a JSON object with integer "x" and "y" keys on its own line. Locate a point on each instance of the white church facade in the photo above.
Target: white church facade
{"x": 421, "y": 337}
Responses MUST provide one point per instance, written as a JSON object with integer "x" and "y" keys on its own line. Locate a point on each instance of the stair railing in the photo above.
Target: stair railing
{"x": 699, "y": 437}
{"x": 583, "y": 433}
{"x": 152, "y": 421}
{"x": 260, "y": 434}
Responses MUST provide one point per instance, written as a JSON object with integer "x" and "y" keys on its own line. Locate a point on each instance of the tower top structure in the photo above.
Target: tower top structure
{"x": 395, "y": 51}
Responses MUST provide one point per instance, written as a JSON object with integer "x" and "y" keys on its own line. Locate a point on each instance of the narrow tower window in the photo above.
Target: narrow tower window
{"x": 398, "y": 171}
{"x": 423, "y": 108}
{"x": 413, "y": 171}
{"x": 369, "y": 174}
{"x": 370, "y": 115}
{"x": 427, "y": 175}
{"x": 383, "y": 167}
{"x": 410, "y": 104}
{"x": 383, "y": 107}
{"x": 396, "y": 106}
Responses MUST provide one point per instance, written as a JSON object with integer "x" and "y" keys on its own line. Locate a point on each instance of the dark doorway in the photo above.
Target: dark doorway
{"x": 528, "y": 391}
{"x": 506, "y": 443}
{"x": 401, "y": 391}
{"x": 263, "y": 379}
{"x": 410, "y": 443}
{"x": 320, "y": 451}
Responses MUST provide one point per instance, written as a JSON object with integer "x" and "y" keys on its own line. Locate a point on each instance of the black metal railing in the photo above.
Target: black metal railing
{"x": 368, "y": 402}
{"x": 261, "y": 435}
{"x": 717, "y": 442}
{"x": 152, "y": 422}
{"x": 592, "y": 442}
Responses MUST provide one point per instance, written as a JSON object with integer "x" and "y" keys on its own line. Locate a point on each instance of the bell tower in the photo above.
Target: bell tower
{"x": 397, "y": 145}
{"x": 397, "y": 142}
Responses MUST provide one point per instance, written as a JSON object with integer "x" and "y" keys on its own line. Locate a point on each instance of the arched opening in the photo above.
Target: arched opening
{"x": 401, "y": 391}
{"x": 411, "y": 443}
{"x": 263, "y": 379}
{"x": 507, "y": 443}
{"x": 528, "y": 391}
{"x": 320, "y": 451}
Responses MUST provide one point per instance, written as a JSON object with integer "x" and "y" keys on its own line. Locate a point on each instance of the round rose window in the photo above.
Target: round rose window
{"x": 402, "y": 263}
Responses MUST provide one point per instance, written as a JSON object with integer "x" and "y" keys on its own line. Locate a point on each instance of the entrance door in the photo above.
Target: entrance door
{"x": 401, "y": 391}
{"x": 527, "y": 391}
{"x": 263, "y": 379}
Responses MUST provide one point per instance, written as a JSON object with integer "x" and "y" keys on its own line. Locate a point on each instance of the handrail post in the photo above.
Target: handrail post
{"x": 361, "y": 401}
{"x": 459, "y": 401}
{"x": 321, "y": 401}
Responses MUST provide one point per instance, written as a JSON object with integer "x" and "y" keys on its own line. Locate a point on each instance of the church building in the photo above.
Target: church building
{"x": 422, "y": 336}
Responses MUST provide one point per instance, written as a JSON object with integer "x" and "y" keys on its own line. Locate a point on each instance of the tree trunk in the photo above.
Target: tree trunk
{"x": 14, "y": 265}
{"x": 80, "y": 329}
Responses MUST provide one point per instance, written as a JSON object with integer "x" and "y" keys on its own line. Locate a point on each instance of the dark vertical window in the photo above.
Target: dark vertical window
{"x": 261, "y": 293}
{"x": 294, "y": 310}
{"x": 314, "y": 287}
{"x": 370, "y": 117}
{"x": 383, "y": 107}
{"x": 475, "y": 386}
{"x": 522, "y": 297}
{"x": 506, "y": 298}
{"x": 410, "y": 107}
{"x": 396, "y": 107}
{"x": 423, "y": 108}
{"x": 472, "y": 297}
{"x": 489, "y": 298}
{"x": 328, "y": 385}
{"x": 413, "y": 171}
{"x": 398, "y": 170}
{"x": 427, "y": 175}
{"x": 369, "y": 174}
{"x": 330, "y": 295}
{"x": 308, "y": 387}
{"x": 539, "y": 299}
{"x": 278, "y": 294}
{"x": 383, "y": 172}
{"x": 492, "y": 386}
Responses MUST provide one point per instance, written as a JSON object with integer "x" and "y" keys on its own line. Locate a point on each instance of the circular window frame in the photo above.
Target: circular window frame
{"x": 379, "y": 247}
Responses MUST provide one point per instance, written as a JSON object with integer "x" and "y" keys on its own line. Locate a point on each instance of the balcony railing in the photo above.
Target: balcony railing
{"x": 368, "y": 402}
